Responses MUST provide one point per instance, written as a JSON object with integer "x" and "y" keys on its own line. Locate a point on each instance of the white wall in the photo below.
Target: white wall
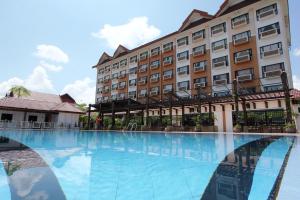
{"x": 68, "y": 119}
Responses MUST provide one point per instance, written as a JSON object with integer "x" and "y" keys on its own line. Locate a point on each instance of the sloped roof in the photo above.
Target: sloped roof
{"x": 232, "y": 5}
{"x": 121, "y": 50}
{"x": 103, "y": 59}
{"x": 195, "y": 17}
{"x": 41, "y": 102}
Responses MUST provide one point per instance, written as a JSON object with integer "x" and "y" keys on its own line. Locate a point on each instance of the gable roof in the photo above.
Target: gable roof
{"x": 40, "y": 102}
{"x": 103, "y": 59}
{"x": 232, "y": 5}
{"x": 193, "y": 17}
{"x": 121, "y": 50}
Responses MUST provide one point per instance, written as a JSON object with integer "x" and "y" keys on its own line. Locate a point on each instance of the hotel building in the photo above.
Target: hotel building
{"x": 246, "y": 40}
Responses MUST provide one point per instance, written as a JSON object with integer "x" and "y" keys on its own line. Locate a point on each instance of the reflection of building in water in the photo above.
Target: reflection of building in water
{"x": 233, "y": 177}
{"x": 28, "y": 174}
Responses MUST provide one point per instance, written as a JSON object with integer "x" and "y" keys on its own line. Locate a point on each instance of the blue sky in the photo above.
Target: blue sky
{"x": 50, "y": 45}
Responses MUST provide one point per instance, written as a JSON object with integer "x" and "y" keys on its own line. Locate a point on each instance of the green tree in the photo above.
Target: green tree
{"x": 82, "y": 106}
{"x": 20, "y": 91}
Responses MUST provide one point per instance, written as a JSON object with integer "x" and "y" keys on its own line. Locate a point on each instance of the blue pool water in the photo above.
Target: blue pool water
{"x": 142, "y": 166}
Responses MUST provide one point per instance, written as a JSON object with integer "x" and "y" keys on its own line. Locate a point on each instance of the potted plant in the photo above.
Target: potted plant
{"x": 290, "y": 127}
{"x": 237, "y": 128}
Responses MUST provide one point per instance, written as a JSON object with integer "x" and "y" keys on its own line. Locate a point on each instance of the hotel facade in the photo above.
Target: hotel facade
{"x": 247, "y": 41}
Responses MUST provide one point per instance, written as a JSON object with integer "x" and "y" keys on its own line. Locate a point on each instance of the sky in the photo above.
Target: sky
{"x": 51, "y": 45}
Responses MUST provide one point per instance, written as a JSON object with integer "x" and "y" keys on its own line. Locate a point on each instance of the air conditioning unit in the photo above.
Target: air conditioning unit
{"x": 182, "y": 72}
{"x": 167, "y": 62}
{"x": 266, "y": 13}
{"x": 270, "y": 53}
{"x": 142, "y": 70}
{"x": 199, "y": 68}
{"x": 154, "y": 53}
{"x": 182, "y": 88}
{"x": 154, "y": 79}
{"x": 268, "y": 33}
{"x": 181, "y": 43}
{"x": 198, "y": 53}
{"x": 142, "y": 82}
{"x": 242, "y": 78}
{"x": 241, "y": 22}
{"x": 242, "y": 58}
{"x": 198, "y": 37}
{"x": 168, "y": 48}
{"x": 166, "y": 77}
{"x": 220, "y": 82}
{"x": 154, "y": 66}
{"x": 153, "y": 93}
{"x": 241, "y": 40}
{"x": 121, "y": 87}
{"x": 219, "y": 47}
{"x": 197, "y": 85}
{"x": 165, "y": 91}
{"x": 220, "y": 64}
{"x": 217, "y": 31}
{"x": 273, "y": 74}
{"x": 182, "y": 58}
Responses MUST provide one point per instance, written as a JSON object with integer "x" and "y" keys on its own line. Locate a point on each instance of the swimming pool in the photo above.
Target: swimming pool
{"x": 115, "y": 165}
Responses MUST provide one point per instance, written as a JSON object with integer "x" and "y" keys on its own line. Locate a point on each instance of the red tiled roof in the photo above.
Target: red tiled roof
{"x": 39, "y": 102}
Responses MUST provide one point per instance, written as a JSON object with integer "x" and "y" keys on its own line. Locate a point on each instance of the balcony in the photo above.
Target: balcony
{"x": 266, "y": 13}
{"x": 198, "y": 37}
{"x": 142, "y": 82}
{"x": 181, "y": 43}
{"x": 105, "y": 91}
{"x": 198, "y": 53}
{"x": 106, "y": 80}
{"x": 142, "y": 70}
{"x": 182, "y": 72}
{"x": 219, "y": 64}
{"x": 168, "y": 48}
{"x": 181, "y": 58}
{"x": 167, "y": 90}
{"x": 243, "y": 78}
{"x": 240, "y": 22}
{"x": 167, "y": 62}
{"x": 182, "y": 88}
{"x": 220, "y": 82}
{"x": 121, "y": 87}
{"x": 199, "y": 68}
{"x": 154, "y": 93}
{"x": 217, "y": 31}
{"x": 155, "y": 53}
{"x": 199, "y": 85}
{"x": 143, "y": 57}
{"x": 154, "y": 66}
{"x": 122, "y": 75}
{"x": 271, "y": 53}
{"x": 268, "y": 33}
{"x": 154, "y": 79}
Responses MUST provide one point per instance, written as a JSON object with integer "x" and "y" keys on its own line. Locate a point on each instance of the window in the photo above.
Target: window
{"x": 6, "y": 117}
{"x": 240, "y": 20}
{"x": 100, "y": 71}
{"x": 269, "y": 30}
{"x": 183, "y": 70}
{"x": 143, "y": 68}
{"x": 143, "y": 93}
{"x": 271, "y": 50}
{"x": 107, "y": 69}
{"x": 100, "y": 80}
{"x": 122, "y": 74}
{"x": 221, "y": 28}
{"x": 115, "y": 76}
{"x": 222, "y": 94}
{"x": 266, "y": 11}
{"x": 183, "y": 41}
{"x": 241, "y": 38}
{"x": 221, "y": 44}
{"x": 249, "y": 90}
{"x": 200, "y": 66}
{"x": 244, "y": 75}
{"x": 154, "y": 91}
{"x": 133, "y": 59}
{"x": 155, "y": 51}
{"x": 183, "y": 56}
{"x": 279, "y": 103}
{"x": 114, "y": 86}
{"x": 168, "y": 46}
{"x": 168, "y": 74}
{"x": 132, "y": 82}
{"x": 133, "y": 70}
{"x": 200, "y": 50}
{"x": 32, "y": 118}
{"x": 123, "y": 63}
{"x": 115, "y": 66}
{"x": 106, "y": 78}
{"x": 198, "y": 35}
{"x": 266, "y": 104}
{"x": 154, "y": 77}
{"x": 220, "y": 62}
{"x": 221, "y": 79}
{"x": 143, "y": 80}
{"x": 184, "y": 85}
{"x": 271, "y": 88}
{"x": 168, "y": 60}
{"x": 122, "y": 85}
{"x": 242, "y": 56}
{"x": 155, "y": 64}
{"x": 144, "y": 55}
{"x": 167, "y": 88}
{"x": 200, "y": 82}
{"x": 254, "y": 105}
{"x": 132, "y": 94}
{"x": 273, "y": 70}
{"x": 114, "y": 97}
{"x": 121, "y": 96}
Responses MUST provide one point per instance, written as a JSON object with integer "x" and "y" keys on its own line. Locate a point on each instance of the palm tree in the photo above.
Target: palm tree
{"x": 20, "y": 91}
{"x": 82, "y": 106}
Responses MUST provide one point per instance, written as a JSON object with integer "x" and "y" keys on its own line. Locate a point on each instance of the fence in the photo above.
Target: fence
{"x": 34, "y": 125}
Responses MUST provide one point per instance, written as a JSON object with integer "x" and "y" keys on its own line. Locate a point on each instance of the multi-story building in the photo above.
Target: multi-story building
{"x": 246, "y": 40}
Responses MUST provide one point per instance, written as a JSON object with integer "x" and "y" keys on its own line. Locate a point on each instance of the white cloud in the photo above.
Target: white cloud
{"x": 296, "y": 82}
{"x": 136, "y": 32}
{"x": 83, "y": 91}
{"x": 50, "y": 67}
{"x": 51, "y": 52}
{"x": 297, "y": 52}
{"x": 38, "y": 80}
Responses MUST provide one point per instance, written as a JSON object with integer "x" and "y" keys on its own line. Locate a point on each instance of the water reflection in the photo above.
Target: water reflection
{"x": 28, "y": 175}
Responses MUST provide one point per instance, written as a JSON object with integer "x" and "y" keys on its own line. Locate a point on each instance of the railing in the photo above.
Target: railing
{"x": 35, "y": 125}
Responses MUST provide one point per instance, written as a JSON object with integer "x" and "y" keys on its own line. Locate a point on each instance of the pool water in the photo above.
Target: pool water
{"x": 140, "y": 166}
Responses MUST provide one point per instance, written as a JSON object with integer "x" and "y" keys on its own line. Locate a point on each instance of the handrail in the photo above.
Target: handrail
{"x": 33, "y": 125}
